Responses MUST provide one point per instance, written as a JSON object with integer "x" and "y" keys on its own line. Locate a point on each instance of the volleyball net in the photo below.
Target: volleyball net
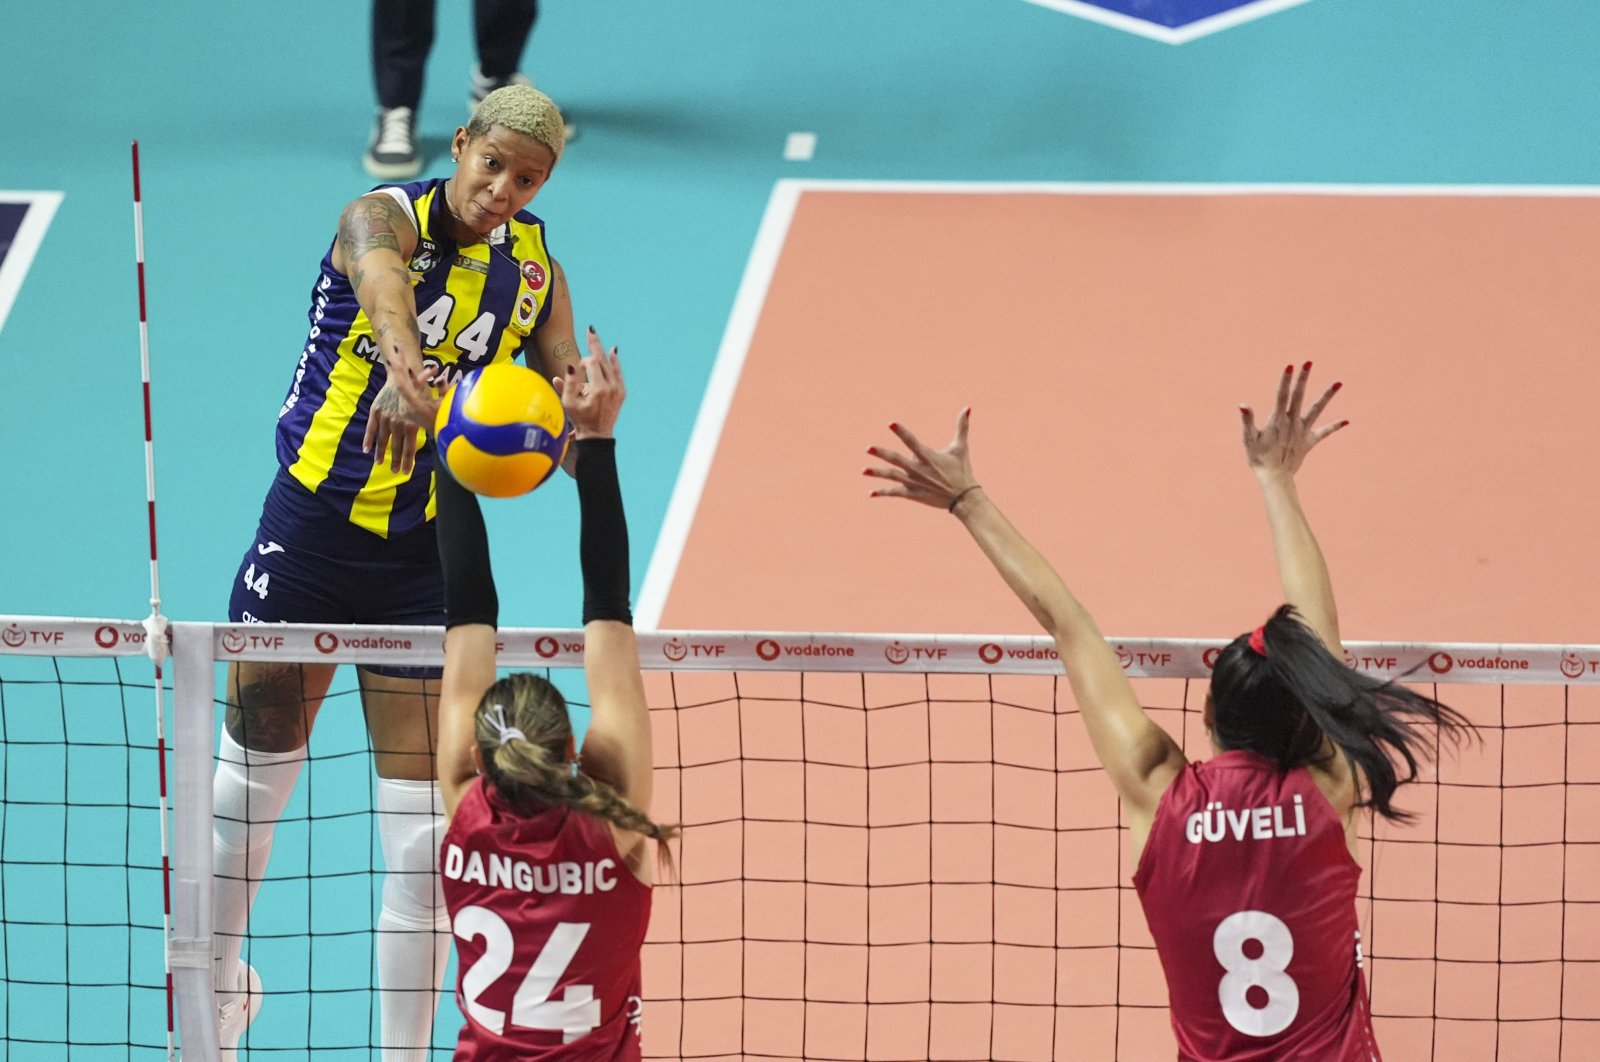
{"x": 894, "y": 848}
{"x": 81, "y": 899}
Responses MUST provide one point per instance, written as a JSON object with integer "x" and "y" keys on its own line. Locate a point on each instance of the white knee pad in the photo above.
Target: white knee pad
{"x": 249, "y": 792}
{"x": 411, "y": 827}
{"x": 248, "y": 795}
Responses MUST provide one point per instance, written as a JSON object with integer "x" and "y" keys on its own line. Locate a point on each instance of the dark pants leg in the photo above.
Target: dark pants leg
{"x": 402, "y": 34}
{"x": 502, "y": 28}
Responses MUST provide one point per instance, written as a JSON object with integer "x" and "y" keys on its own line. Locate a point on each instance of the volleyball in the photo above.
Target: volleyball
{"x": 501, "y": 430}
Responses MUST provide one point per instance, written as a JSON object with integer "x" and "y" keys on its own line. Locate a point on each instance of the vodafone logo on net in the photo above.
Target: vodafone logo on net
{"x": 327, "y": 642}
{"x": 992, "y": 653}
{"x": 548, "y": 647}
{"x": 1209, "y": 657}
{"x": 770, "y": 649}
{"x": 1442, "y": 663}
{"x": 105, "y": 637}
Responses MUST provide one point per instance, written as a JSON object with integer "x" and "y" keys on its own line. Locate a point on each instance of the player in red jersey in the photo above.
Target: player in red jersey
{"x": 1246, "y": 862}
{"x": 546, "y": 868}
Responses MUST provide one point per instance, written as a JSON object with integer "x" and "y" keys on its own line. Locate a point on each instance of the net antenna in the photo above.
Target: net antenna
{"x": 155, "y": 625}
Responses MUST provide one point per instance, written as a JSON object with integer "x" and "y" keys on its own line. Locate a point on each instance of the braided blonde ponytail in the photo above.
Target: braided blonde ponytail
{"x": 523, "y": 729}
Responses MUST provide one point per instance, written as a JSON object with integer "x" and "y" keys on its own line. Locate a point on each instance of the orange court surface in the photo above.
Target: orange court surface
{"x": 1104, "y": 336}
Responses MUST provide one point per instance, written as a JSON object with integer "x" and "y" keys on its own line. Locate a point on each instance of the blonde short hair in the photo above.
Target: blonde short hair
{"x": 521, "y": 109}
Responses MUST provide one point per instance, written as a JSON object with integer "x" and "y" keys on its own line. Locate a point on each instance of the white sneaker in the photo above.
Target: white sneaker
{"x": 392, "y": 152}
{"x": 236, "y": 1012}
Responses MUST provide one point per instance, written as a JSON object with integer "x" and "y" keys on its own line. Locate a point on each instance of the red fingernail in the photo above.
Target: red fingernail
{"x": 893, "y": 426}
{"x": 873, "y": 450}
{"x": 1337, "y": 385}
{"x": 1244, "y": 409}
{"x": 1342, "y": 423}
{"x": 1306, "y": 367}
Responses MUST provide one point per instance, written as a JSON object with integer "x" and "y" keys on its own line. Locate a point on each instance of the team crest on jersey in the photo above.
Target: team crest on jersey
{"x": 527, "y": 309}
{"x": 533, "y": 273}
{"x": 426, "y": 258}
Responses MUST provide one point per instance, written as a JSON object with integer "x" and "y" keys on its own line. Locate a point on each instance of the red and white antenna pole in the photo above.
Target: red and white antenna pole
{"x": 144, "y": 373}
{"x": 155, "y": 625}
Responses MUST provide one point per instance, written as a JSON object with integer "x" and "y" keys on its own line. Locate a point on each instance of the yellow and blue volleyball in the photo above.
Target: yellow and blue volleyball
{"x": 501, "y": 430}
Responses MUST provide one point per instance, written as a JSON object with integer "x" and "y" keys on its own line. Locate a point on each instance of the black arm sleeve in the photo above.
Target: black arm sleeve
{"x": 469, "y": 595}
{"x": 603, "y": 536}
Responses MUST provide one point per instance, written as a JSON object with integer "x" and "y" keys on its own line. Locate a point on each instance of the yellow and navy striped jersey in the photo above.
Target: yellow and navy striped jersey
{"x": 476, "y": 304}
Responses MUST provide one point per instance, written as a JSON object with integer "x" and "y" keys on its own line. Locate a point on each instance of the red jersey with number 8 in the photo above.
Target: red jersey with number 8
{"x": 548, "y": 922}
{"x": 1250, "y": 892}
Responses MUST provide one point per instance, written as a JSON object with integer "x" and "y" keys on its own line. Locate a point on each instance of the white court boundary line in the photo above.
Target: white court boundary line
{"x": 1204, "y": 27}
{"x": 763, "y": 262}
{"x": 725, "y": 372}
{"x": 30, "y": 234}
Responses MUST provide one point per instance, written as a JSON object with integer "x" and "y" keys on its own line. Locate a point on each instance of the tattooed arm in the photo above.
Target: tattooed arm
{"x": 555, "y": 343}
{"x": 376, "y": 239}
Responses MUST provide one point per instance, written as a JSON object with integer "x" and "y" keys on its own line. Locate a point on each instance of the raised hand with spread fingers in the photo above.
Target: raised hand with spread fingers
{"x": 1140, "y": 757}
{"x": 1275, "y": 452}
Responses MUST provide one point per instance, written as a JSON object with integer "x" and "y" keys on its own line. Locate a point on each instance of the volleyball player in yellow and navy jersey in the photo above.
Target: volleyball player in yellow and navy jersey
{"x": 476, "y": 303}
{"x": 423, "y": 282}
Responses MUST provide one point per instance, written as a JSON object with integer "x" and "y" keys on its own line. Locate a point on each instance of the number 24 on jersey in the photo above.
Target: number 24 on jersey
{"x": 574, "y": 1015}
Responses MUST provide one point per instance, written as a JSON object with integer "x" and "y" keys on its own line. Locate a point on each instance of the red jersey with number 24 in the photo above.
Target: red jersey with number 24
{"x": 548, "y": 922}
{"x": 1250, "y": 892}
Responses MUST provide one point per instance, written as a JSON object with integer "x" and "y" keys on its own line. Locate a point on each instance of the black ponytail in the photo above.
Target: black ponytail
{"x": 1282, "y": 705}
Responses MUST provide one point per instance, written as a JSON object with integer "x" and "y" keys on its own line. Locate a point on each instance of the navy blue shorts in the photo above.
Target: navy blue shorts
{"x": 308, "y": 564}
